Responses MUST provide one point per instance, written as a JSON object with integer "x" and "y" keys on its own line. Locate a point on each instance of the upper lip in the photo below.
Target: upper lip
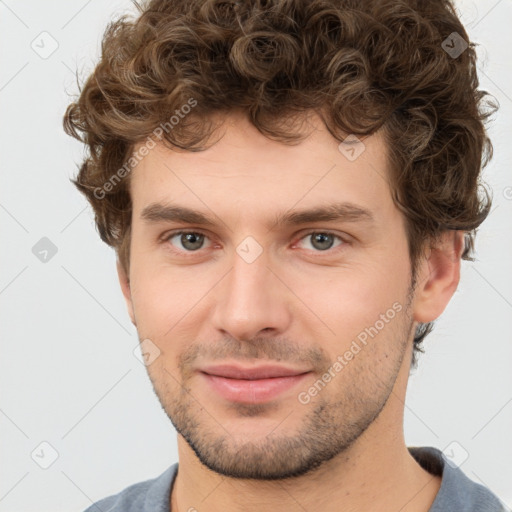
{"x": 259, "y": 372}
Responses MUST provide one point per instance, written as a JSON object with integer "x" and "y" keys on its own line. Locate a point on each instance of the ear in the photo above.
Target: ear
{"x": 124, "y": 281}
{"x": 438, "y": 277}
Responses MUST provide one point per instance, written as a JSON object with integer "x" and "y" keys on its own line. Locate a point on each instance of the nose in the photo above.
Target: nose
{"x": 252, "y": 300}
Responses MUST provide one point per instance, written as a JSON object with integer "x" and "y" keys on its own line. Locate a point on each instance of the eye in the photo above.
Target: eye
{"x": 322, "y": 240}
{"x": 191, "y": 241}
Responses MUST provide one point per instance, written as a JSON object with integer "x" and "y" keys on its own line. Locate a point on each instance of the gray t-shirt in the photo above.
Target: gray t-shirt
{"x": 457, "y": 493}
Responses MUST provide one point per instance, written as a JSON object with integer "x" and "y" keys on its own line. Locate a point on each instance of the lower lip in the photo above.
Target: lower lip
{"x": 252, "y": 391}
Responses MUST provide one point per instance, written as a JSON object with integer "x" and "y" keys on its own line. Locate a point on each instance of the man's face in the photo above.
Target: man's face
{"x": 287, "y": 299}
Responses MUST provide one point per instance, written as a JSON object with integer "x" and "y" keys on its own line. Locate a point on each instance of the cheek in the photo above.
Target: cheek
{"x": 157, "y": 308}
{"x": 345, "y": 303}
{"x": 167, "y": 301}
{"x": 367, "y": 284}
{"x": 154, "y": 298}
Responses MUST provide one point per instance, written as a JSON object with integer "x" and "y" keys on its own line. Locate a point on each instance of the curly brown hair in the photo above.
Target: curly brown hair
{"x": 361, "y": 66}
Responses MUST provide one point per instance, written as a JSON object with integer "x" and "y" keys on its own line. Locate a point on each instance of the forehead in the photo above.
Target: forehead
{"x": 246, "y": 171}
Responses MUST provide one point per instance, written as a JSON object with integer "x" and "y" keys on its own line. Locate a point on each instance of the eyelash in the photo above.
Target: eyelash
{"x": 167, "y": 237}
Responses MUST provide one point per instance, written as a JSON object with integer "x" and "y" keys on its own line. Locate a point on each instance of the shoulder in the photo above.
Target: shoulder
{"x": 457, "y": 492}
{"x": 150, "y": 495}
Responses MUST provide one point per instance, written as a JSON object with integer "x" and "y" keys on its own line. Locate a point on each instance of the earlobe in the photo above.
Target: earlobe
{"x": 438, "y": 277}
{"x": 124, "y": 281}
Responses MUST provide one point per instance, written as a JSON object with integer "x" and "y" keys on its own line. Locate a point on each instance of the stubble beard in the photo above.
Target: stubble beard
{"x": 326, "y": 430}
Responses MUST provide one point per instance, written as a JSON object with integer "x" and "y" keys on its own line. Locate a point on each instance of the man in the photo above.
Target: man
{"x": 290, "y": 188}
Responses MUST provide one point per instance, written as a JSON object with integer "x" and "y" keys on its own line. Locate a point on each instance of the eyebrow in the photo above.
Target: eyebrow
{"x": 348, "y": 212}
{"x": 345, "y": 211}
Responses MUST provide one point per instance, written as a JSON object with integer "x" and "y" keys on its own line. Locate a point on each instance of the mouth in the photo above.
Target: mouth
{"x": 252, "y": 385}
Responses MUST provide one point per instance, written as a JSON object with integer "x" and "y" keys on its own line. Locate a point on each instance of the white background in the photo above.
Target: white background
{"x": 68, "y": 373}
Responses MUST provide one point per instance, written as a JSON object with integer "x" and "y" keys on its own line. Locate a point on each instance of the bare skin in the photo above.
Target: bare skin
{"x": 298, "y": 304}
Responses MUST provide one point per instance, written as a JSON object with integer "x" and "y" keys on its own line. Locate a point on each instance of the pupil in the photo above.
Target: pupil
{"x": 321, "y": 237}
{"x": 189, "y": 238}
